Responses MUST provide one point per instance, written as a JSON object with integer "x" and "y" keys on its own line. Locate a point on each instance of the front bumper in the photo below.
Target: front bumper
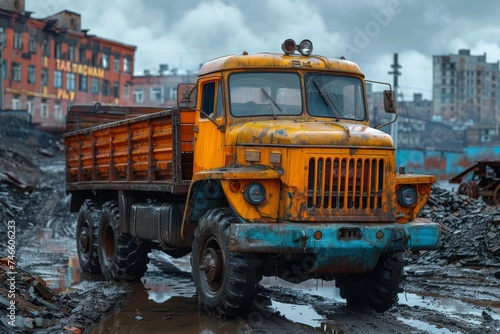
{"x": 343, "y": 247}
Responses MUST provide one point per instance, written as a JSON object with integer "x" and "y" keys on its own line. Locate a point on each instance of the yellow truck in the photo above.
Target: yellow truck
{"x": 267, "y": 167}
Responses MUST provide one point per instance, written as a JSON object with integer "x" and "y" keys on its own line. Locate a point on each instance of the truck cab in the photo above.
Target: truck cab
{"x": 285, "y": 151}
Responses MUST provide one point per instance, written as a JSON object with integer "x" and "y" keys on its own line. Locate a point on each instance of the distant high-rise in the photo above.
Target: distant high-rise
{"x": 465, "y": 88}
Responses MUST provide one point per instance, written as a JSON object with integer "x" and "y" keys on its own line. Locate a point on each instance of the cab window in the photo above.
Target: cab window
{"x": 211, "y": 100}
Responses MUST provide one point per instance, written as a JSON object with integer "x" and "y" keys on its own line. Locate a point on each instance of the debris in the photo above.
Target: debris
{"x": 470, "y": 236}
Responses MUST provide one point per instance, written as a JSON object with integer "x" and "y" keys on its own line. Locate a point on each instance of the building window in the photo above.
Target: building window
{"x": 172, "y": 93}
{"x": 16, "y": 104}
{"x": 105, "y": 87}
{"x": 16, "y": 72}
{"x": 156, "y": 94}
{"x": 126, "y": 65}
{"x": 139, "y": 95}
{"x": 70, "y": 81}
{"x": 45, "y": 77}
{"x": 105, "y": 61}
{"x": 116, "y": 64}
{"x": 95, "y": 58}
{"x": 126, "y": 92}
{"x": 95, "y": 86}
{"x": 82, "y": 56}
{"x": 71, "y": 53}
{"x": 116, "y": 89}
{"x": 83, "y": 83}
{"x": 58, "y": 112}
{"x": 2, "y": 36}
{"x": 29, "y": 107}
{"x": 32, "y": 44}
{"x": 31, "y": 74}
{"x": 57, "y": 50}
{"x": 18, "y": 40}
{"x": 44, "y": 110}
{"x": 57, "y": 79}
{"x": 46, "y": 48}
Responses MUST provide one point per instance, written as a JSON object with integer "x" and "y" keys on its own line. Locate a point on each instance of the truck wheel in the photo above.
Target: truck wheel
{"x": 378, "y": 289}
{"x": 87, "y": 224}
{"x": 468, "y": 188}
{"x": 120, "y": 255}
{"x": 226, "y": 282}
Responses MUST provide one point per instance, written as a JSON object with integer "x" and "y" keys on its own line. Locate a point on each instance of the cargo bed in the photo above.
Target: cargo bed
{"x": 144, "y": 149}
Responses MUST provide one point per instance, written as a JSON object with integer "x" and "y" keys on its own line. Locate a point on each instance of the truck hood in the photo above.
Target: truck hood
{"x": 289, "y": 132}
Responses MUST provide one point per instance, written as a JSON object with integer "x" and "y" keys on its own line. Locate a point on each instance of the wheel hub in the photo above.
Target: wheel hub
{"x": 211, "y": 264}
{"x": 84, "y": 240}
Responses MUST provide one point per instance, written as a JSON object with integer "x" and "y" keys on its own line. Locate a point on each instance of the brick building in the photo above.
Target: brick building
{"x": 160, "y": 90}
{"x": 51, "y": 63}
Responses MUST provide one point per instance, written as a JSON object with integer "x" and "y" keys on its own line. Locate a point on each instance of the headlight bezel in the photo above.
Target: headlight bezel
{"x": 255, "y": 193}
{"x": 407, "y": 196}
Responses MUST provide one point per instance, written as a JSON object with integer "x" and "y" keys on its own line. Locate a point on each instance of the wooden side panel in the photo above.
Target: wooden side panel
{"x": 187, "y": 119}
{"x": 154, "y": 149}
{"x": 85, "y": 116}
{"x": 162, "y": 149}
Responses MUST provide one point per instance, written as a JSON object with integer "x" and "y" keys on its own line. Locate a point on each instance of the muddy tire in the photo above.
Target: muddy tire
{"x": 87, "y": 225}
{"x": 468, "y": 188}
{"x": 226, "y": 282}
{"x": 120, "y": 256}
{"x": 378, "y": 289}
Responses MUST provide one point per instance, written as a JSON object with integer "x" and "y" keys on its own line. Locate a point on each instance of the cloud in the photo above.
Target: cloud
{"x": 185, "y": 33}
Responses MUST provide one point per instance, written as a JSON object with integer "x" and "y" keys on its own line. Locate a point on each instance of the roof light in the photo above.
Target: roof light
{"x": 305, "y": 47}
{"x": 288, "y": 46}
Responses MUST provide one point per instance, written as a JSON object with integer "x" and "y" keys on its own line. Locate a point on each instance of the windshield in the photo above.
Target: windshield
{"x": 265, "y": 94}
{"x": 335, "y": 96}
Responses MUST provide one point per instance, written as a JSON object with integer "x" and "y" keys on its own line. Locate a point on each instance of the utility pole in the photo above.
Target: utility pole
{"x": 395, "y": 72}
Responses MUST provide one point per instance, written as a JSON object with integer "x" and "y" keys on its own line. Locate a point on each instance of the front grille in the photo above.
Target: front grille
{"x": 344, "y": 183}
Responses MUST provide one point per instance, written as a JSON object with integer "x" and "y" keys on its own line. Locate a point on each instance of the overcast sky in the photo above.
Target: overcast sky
{"x": 186, "y": 33}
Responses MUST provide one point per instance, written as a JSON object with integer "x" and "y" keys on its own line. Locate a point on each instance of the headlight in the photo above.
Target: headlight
{"x": 305, "y": 47}
{"x": 255, "y": 193}
{"x": 288, "y": 46}
{"x": 407, "y": 195}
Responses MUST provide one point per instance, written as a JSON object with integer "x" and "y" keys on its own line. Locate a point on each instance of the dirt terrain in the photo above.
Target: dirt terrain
{"x": 452, "y": 290}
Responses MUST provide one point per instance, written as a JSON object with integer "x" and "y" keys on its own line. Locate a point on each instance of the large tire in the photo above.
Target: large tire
{"x": 226, "y": 282}
{"x": 468, "y": 188}
{"x": 121, "y": 256}
{"x": 87, "y": 225}
{"x": 378, "y": 289}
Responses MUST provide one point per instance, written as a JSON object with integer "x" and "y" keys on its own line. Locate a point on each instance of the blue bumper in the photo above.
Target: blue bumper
{"x": 336, "y": 247}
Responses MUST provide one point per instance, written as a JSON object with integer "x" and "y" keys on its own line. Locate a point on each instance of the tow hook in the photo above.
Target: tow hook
{"x": 300, "y": 235}
{"x": 400, "y": 234}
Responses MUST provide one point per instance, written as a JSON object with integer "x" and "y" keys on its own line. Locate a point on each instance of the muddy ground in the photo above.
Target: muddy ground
{"x": 453, "y": 290}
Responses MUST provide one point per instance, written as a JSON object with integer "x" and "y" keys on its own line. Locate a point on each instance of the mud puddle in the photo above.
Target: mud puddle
{"x": 165, "y": 298}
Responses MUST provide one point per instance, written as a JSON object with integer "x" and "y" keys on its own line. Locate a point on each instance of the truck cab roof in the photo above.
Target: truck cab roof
{"x": 279, "y": 61}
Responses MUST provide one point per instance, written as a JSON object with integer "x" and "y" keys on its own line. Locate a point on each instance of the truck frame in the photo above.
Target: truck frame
{"x": 267, "y": 167}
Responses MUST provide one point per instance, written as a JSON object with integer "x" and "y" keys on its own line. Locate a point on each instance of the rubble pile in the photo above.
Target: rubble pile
{"x": 29, "y": 306}
{"x": 470, "y": 230}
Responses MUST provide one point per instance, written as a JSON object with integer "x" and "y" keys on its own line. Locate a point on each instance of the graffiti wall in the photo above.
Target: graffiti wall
{"x": 443, "y": 163}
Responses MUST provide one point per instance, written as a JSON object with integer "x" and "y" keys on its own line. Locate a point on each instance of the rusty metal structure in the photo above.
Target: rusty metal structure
{"x": 267, "y": 167}
{"x": 480, "y": 180}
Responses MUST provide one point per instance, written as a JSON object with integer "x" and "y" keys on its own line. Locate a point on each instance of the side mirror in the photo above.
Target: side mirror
{"x": 186, "y": 96}
{"x": 390, "y": 102}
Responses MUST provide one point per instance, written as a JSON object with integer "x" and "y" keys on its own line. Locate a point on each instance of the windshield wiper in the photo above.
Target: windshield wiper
{"x": 271, "y": 101}
{"x": 327, "y": 99}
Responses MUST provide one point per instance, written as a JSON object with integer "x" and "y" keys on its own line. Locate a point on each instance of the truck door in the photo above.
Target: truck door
{"x": 209, "y": 131}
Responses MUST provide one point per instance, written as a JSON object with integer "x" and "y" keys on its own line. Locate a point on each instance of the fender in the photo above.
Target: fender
{"x": 224, "y": 186}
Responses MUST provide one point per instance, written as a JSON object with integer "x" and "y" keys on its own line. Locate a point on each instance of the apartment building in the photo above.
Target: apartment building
{"x": 465, "y": 88}
{"x": 51, "y": 63}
